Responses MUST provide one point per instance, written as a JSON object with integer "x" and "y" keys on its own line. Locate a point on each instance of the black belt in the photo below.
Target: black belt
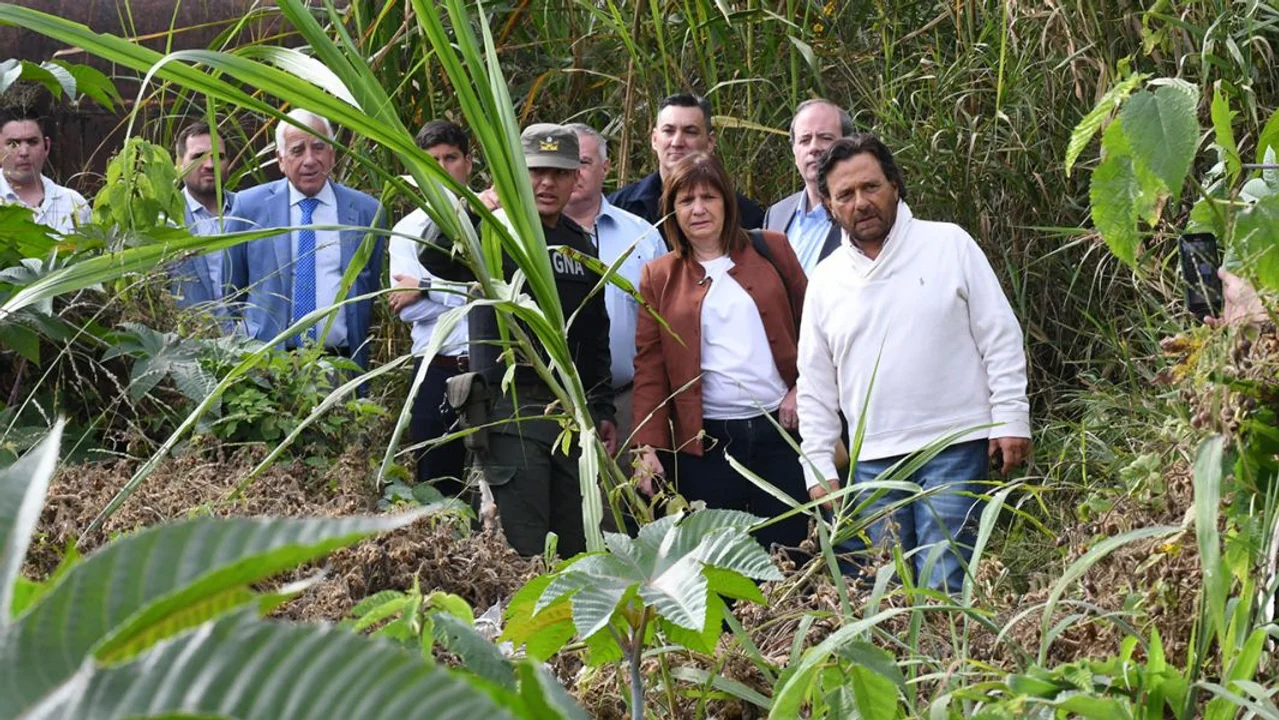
{"x": 453, "y": 363}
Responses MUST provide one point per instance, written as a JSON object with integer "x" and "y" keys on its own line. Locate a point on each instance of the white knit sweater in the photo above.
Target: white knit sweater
{"x": 929, "y": 312}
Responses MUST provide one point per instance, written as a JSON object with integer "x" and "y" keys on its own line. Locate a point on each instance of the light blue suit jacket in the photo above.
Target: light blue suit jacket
{"x": 192, "y": 282}
{"x": 269, "y": 261}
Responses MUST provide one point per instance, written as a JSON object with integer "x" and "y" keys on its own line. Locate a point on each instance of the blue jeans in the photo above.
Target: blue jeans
{"x": 946, "y": 516}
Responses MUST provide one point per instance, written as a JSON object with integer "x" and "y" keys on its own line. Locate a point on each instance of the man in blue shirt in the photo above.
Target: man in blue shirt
{"x": 683, "y": 127}
{"x": 817, "y": 125}
{"x": 615, "y": 233}
{"x": 206, "y": 280}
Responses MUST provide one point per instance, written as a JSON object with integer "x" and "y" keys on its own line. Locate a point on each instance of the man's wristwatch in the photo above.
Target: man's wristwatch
{"x": 424, "y": 286}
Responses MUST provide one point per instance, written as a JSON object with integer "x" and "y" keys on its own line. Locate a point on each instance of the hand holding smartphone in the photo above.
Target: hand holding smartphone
{"x": 1200, "y": 258}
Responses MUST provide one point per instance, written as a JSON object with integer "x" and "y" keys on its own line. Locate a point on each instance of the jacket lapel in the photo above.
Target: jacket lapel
{"x": 282, "y": 244}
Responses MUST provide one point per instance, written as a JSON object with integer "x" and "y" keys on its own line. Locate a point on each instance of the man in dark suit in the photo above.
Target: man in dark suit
{"x": 816, "y": 126}
{"x": 683, "y": 128}
{"x": 293, "y": 273}
{"x": 206, "y": 280}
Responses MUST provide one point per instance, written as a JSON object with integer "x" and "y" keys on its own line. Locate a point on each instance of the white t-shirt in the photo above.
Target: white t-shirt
{"x": 739, "y": 377}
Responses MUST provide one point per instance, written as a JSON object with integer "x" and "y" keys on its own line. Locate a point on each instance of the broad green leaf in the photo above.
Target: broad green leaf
{"x": 23, "y": 236}
{"x": 1091, "y": 123}
{"x": 874, "y": 659}
{"x": 22, "y": 489}
{"x": 1163, "y": 131}
{"x": 92, "y": 82}
{"x": 795, "y": 686}
{"x": 1113, "y": 193}
{"x": 1257, "y": 240}
{"x": 246, "y": 668}
{"x": 1268, "y": 140}
{"x": 137, "y": 584}
{"x": 679, "y": 594}
{"x": 732, "y": 585}
{"x": 1222, "y": 117}
{"x": 703, "y": 641}
{"x": 876, "y": 696}
{"x": 478, "y": 654}
{"x": 544, "y": 696}
{"x": 543, "y": 633}
{"x": 732, "y": 549}
{"x": 22, "y": 340}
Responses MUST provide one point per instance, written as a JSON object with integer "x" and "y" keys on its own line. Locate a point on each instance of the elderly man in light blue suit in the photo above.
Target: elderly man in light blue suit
{"x": 293, "y": 273}
{"x": 208, "y": 280}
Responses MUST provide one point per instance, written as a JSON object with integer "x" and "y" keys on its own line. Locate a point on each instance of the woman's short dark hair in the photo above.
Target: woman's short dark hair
{"x": 856, "y": 144}
{"x": 701, "y": 170}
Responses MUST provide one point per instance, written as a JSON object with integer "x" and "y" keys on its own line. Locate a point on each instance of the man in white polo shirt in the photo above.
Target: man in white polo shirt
{"x": 24, "y": 146}
{"x": 908, "y": 321}
{"x": 423, "y": 300}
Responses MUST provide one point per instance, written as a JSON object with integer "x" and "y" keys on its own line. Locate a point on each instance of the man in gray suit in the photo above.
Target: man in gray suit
{"x": 207, "y": 279}
{"x": 817, "y": 125}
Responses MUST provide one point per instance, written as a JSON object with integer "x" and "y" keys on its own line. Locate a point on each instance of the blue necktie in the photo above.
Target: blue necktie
{"x": 304, "y": 270}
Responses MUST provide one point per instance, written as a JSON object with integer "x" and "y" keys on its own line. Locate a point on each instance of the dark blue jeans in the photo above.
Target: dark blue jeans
{"x": 947, "y": 516}
{"x": 757, "y": 444}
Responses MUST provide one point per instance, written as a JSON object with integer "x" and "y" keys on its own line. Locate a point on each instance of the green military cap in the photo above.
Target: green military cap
{"x": 550, "y": 146}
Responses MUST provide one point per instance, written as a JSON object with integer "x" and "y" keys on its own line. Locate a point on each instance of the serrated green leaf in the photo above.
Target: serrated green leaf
{"x": 1257, "y": 240}
{"x": 1113, "y": 195}
{"x": 875, "y": 695}
{"x": 137, "y": 583}
{"x": 236, "y": 667}
{"x": 1091, "y": 123}
{"x": 679, "y": 594}
{"x": 1162, "y": 128}
{"x": 704, "y": 641}
{"x": 602, "y": 649}
{"x": 732, "y": 585}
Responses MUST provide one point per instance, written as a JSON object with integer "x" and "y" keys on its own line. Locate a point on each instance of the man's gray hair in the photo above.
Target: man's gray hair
{"x": 305, "y": 117}
{"x": 845, "y": 120}
{"x": 600, "y": 142}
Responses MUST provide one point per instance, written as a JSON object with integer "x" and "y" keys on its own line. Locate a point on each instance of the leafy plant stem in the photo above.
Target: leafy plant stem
{"x": 637, "y": 676}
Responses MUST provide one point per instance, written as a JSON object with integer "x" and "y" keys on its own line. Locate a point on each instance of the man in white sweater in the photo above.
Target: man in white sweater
{"x": 907, "y": 325}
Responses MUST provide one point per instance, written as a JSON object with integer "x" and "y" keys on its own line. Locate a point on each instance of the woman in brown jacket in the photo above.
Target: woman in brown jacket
{"x": 705, "y": 387}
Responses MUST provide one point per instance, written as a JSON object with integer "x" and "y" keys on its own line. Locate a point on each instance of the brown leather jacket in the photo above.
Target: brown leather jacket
{"x": 674, "y": 288}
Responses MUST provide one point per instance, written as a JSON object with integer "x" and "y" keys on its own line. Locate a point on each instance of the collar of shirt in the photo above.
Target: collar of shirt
{"x": 325, "y": 196}
{"x": 197, "y": 208}
{"x": 861, "y": 260}
{"x": 51, "y": 193}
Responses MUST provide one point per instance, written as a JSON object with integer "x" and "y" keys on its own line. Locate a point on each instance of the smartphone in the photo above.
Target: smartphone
{"x": 1200, "y": 259}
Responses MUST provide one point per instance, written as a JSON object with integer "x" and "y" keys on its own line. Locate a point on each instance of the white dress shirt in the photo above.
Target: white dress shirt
{"x": 328, "y": 257}
{"x": 737, "y": 381}
{"x": 61, "y": 209}
{"x": 615, "y": 232}
{"x": 425, "y": 312}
